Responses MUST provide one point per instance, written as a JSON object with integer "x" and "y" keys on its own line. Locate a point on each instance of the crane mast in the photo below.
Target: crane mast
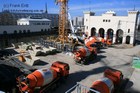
{"x": 63, "y": 21}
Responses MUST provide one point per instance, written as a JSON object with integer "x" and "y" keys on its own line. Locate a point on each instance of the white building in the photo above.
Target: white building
{"x": 29, "y": 21}
{"x": 27, "y": 25}
{"x": 121, "y": 29}
{"x": 78, "y": 23}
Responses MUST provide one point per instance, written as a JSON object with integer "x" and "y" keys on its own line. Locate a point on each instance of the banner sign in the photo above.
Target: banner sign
{"x": 19, "y": 8}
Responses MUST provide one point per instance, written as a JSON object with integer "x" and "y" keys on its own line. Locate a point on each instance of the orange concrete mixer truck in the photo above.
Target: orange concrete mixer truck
{"x": 43, "y": 80}
{"x": 83, "y": 55}
{"x": 110, "y": 83}
{"x": 93, "y": 42}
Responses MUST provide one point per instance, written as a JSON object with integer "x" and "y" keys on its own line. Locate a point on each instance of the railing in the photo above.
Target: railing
{"x": 79, "y": 88}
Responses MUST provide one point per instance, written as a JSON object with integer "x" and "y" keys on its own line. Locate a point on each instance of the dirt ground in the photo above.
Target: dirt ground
{"x": 113, "y": 57}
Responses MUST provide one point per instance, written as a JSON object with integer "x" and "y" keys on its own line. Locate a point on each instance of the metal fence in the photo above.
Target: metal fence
{"x": 79, "y": 88}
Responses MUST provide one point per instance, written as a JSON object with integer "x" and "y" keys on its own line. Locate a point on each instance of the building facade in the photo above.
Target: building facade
{"x": 78, "y": 23}
{"x": 27, "y": 25}
{"x": 9, "y": 18}
{"x": 30, "y": 21}
{"x": 26, "y": 28}
{"x": 120, "y": 29}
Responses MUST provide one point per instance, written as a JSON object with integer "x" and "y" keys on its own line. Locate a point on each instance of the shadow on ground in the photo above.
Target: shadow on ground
{"x": 8, "y": 75}
{"x": 101, "y": 51}
{"x": 77, "y": 77}
{"x": 98, "y": 58}
{"x": 130, "y": 89}
{"x": 40, "y": 63}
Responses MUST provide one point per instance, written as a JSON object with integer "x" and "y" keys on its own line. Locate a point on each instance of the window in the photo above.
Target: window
{"x": 86, "y": 19}
{"x": 106, "y": 20}
{"x": 87, "y": 27}
{"x": 128, "y": 30}
{"x": 38, "y": 23}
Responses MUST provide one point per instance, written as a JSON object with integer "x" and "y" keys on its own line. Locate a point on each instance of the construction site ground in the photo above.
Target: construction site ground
{"x": 116, "y": 57}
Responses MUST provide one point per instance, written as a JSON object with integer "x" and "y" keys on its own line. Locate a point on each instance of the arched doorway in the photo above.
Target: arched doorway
{"x": 101, "y": 32}
{"x": 24, "y": 31}
{"x": 5, "y": 32}
{"x": 20, "y": 32}
{"x": 16, "y": 36}
{"x": 15, "y": 32}
{"x": 119, "y": 36}
{"x": 93, "y": 31}
{"x": 28, "y": 33}
{"x": 138, "y": 28}
{"x": 128, "y": 39}
{"x": 5, "y": 38}
{"x": 110, "y": 34}
{"x": 20, "y": 35}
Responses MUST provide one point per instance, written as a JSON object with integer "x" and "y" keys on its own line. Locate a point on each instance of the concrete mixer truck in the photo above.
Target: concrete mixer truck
{"x": 43, "y": 80}
{"x": 110, "y": 83}
{"x": 83, "y": 55}
{"x": 92, "y": 41}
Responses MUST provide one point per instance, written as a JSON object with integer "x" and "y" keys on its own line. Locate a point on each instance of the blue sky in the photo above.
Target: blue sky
{"x": 76, "y": 7}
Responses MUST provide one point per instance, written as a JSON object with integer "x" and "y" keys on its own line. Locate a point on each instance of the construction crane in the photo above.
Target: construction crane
{"x": 63, "y": 21}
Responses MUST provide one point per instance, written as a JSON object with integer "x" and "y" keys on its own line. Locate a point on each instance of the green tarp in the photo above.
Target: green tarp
{"x": 136, "y": 62}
